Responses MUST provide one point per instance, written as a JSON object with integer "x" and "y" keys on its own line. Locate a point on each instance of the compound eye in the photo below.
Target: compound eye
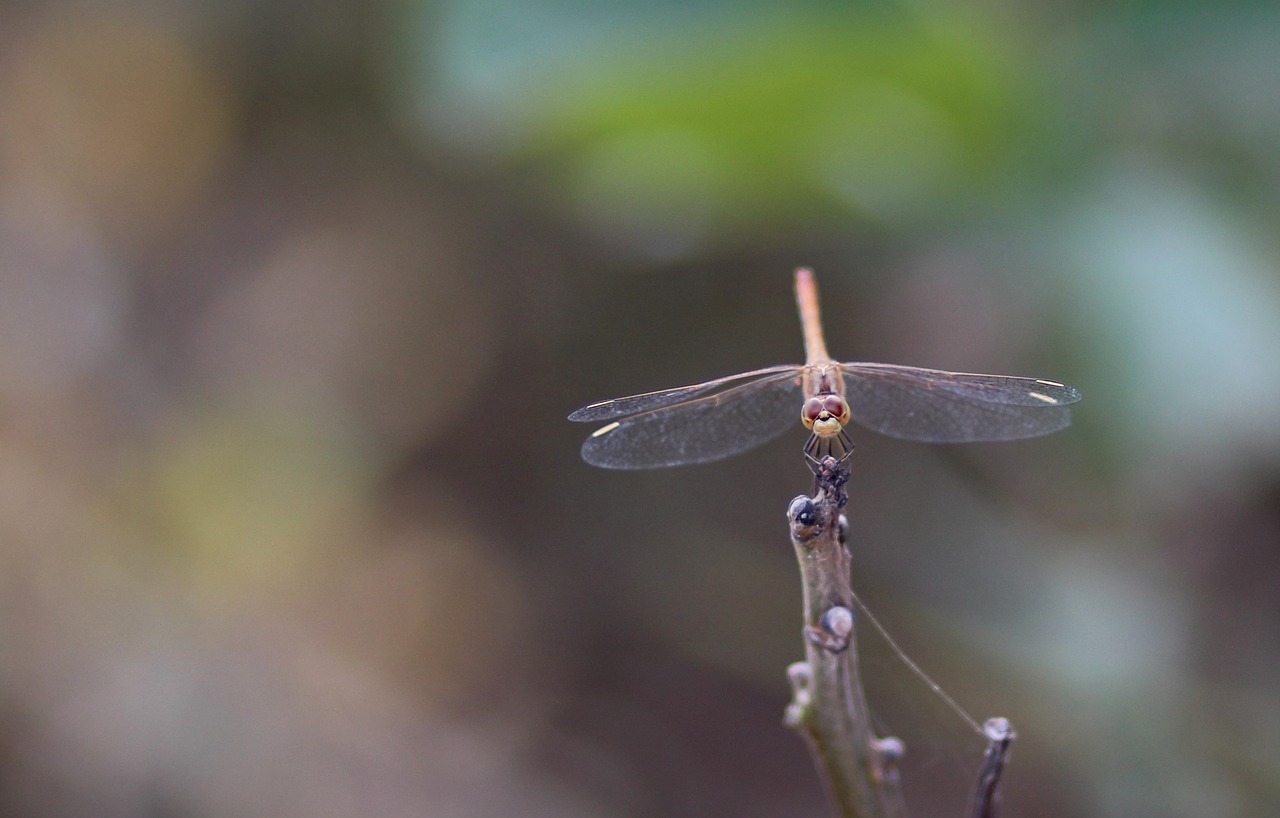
{"x": 811, "y": 411}
{"x": 836, "y": 407}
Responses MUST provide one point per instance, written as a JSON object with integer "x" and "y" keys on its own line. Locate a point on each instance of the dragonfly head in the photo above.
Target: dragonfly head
{"x": 825, "y": 415}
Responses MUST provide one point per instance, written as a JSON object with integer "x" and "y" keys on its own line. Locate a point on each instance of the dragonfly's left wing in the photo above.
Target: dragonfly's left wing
{"x": 702, "y": 429}
{"x": 935, "y": 406}
{"x": 634, "y": 404}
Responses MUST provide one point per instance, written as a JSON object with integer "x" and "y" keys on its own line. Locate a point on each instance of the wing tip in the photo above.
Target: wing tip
{"x": 1069, "y": 393}
{"x": 585, "y": 413}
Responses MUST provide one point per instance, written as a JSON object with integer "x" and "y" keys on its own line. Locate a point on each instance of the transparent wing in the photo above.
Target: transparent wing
{"x": 620, "y": 407}
{"x": 935, "y": 406}
{"x": 703, "y": 429}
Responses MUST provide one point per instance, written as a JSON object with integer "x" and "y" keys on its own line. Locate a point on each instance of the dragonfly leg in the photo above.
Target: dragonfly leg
{"x": 846, "y": 443}
{"x": 817, "y": 448}
{"x": 839, "y": 446}
{"x": 812, "y": 452}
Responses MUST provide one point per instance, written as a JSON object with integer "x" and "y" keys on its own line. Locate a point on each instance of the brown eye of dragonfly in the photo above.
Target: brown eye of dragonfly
{"x": 811, "y": 411}
{"x": 836, "y": 406}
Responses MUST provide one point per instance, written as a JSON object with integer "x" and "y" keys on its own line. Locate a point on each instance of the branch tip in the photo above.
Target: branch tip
{"x": 999, "y": 729}
{"x": 986, "y": 794}
{"x": 830, "y": 476}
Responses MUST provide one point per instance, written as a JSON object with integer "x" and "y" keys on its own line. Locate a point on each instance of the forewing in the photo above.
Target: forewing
{"x": 634, "y": 404}
{"x": 935, "y": 406}
{"x": 701, "y": 430}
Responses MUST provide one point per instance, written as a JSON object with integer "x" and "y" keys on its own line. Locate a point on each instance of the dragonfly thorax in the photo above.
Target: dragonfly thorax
{"x": 825, "y": 415}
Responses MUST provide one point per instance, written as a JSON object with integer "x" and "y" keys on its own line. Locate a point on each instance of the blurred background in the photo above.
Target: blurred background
{"x": 295, "y": 297}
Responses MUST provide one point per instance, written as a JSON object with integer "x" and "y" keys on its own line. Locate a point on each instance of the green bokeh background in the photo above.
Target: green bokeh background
{"x": 295, "y": 297}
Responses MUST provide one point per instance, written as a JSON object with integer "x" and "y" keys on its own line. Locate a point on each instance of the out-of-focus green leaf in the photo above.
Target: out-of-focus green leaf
{"x": 772, "y": 120}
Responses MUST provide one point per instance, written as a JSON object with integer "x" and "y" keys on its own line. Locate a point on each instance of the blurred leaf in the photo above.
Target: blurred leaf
{"x": 761, "y": 120}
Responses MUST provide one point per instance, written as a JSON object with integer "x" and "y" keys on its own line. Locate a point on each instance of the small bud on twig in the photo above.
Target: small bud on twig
{"x": 803, "y": 516}
{"x": 889, "y": 752}
{"x": 801, "y": 677}
{"x": 834, "y": 630}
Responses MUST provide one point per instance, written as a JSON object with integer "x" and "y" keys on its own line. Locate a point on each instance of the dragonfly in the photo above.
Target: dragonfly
{"x": 726, "y": 416}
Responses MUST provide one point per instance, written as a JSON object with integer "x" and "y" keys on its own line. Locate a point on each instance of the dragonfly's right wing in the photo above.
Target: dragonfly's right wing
{"x": 935, "y": 406}
{"x": 620, "y": 407}
{"x": 700, "y": 430}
